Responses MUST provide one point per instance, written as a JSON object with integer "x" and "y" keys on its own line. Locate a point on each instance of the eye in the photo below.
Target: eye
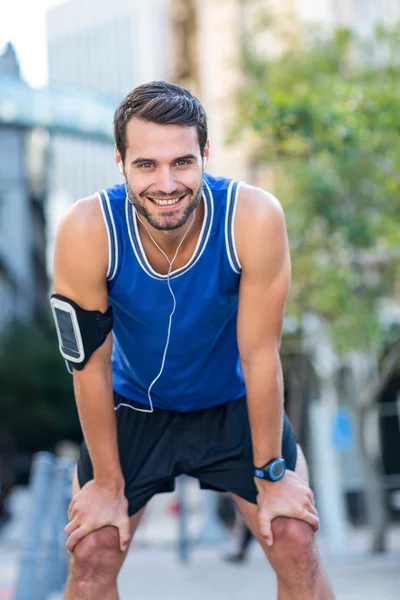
{"x": 182, "y": 162}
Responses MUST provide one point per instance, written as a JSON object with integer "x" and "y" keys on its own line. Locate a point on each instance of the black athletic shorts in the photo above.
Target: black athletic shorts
{"x": 212, "y": 445}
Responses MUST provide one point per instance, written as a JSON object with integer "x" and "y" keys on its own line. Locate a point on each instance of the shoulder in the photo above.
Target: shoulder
{"x": 82, "y": 243}
{"x": 255, "y": 204}
{"x": 259, "y": 225}
{"x": 83, "y": 221}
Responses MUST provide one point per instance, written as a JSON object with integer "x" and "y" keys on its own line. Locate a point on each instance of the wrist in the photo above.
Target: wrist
{"x": 265, "y": 485}
{"x": 114, "y": 483}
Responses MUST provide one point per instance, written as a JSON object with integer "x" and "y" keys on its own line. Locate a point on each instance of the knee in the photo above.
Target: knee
{"x": 293, "y": 539}
{"x": 97, "y": 556}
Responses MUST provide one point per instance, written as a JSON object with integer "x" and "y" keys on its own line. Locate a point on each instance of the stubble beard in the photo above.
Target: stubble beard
{"x": 165, "y": 221}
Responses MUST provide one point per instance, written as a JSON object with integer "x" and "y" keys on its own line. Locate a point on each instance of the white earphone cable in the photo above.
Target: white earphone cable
{"x": 170, "y": 262}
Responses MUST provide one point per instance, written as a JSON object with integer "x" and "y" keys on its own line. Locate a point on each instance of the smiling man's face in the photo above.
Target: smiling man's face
{"x": 164, "y": 172}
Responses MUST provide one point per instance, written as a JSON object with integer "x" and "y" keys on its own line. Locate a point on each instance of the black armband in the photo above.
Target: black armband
{"x": 80, "y": 332}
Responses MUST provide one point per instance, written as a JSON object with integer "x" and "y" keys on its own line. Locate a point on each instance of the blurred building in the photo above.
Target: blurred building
{"x": 206, "y": 47}
{"x": 23, "y": 281}
{"x": 106, "y": 48}
{"x": 27, "y": 117}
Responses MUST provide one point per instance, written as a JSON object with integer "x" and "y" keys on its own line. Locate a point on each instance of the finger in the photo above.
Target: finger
{"x": 311, "y": 496}
{"x": 72, "y": 511}
{"x": 312, "y": 520}
{"x": 124, "y": 535}
{"x": 76, "y": 537}
{"x": 71, "y": 505}
{"x": 72, "y": 525}
{"x": 311, "y": 508}
{"x": 266, "y": 531}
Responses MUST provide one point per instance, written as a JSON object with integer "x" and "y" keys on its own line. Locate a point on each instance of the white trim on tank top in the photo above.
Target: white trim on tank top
{"x": 109, "y": 275}
{"x": 230, "y": 223}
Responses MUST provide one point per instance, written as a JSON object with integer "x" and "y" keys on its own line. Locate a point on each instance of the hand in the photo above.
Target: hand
{"x": 94, "y": 507}
{"x": 289, "y": 497}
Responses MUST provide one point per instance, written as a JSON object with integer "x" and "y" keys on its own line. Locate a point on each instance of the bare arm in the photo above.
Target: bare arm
{"x": 80, "y": 267}
{"x": 263, "y": 251}
{"x": 264, "y": 254}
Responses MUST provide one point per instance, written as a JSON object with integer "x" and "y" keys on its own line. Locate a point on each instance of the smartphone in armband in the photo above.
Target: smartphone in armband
{"x": 68, "y": 331}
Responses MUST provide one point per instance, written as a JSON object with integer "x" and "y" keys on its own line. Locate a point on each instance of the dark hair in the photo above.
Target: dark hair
{"x": 160, "y": 102}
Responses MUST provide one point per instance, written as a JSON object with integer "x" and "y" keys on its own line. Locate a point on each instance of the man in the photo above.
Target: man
{"x": 196, "y": 270}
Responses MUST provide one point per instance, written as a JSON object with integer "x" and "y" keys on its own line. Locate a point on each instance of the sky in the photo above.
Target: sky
{"x": 23, "y": 23}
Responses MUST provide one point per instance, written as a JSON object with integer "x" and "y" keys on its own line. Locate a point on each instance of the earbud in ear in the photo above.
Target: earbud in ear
{"x": 204, "y": 162}
{"x": 120, "y": 167}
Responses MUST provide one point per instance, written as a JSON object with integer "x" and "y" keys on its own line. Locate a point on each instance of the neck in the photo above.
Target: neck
{"x": 170, "y": 260}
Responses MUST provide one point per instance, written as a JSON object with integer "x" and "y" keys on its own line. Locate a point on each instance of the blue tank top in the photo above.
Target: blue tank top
{"x": 202, "y": 367}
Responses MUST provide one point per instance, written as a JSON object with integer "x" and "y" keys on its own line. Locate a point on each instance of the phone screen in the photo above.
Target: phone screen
{"x": 67, "y": 332}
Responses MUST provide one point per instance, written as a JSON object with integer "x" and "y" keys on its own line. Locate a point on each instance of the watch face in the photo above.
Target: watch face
{"x": 277, "y": 470}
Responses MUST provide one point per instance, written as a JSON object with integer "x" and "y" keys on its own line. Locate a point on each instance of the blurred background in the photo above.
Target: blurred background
{"x": 303, "y": 99}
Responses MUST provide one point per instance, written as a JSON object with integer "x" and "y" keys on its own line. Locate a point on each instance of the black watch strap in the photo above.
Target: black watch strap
{"x": 272, "y": 471}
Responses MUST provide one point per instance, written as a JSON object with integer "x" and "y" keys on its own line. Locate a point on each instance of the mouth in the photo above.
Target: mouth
{"x": 165, "y": 203}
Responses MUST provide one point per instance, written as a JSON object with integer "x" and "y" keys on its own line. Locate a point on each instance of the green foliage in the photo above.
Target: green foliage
{"x": 36, "y": 397}
{"x": 324, "y": 115}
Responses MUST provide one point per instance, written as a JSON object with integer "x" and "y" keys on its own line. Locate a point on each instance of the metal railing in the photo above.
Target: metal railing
{"x": 44, "y": 558}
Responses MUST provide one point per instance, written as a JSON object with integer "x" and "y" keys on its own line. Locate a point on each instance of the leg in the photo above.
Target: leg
{"x": 96, "y": 561}
{"x": 246, "y": 539}
{"x": 293, "y": 555}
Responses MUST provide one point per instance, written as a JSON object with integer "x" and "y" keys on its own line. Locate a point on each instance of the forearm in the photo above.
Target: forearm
{"x": 264, "y": 390}
{"x": 94, "y": 398}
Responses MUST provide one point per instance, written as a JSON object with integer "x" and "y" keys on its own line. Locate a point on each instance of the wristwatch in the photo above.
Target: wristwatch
{"x": 273, "y": 471}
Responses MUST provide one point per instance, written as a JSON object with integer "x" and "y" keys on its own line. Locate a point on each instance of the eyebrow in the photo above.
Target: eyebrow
{"x": 151, "y": 160}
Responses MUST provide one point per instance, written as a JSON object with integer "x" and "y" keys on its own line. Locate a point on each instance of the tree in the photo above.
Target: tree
{"x": 36, "y": 401}
{"x": 323, "y": 116}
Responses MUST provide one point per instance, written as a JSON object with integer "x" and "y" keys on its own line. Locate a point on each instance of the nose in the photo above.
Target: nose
{"x": 166, "y": 181}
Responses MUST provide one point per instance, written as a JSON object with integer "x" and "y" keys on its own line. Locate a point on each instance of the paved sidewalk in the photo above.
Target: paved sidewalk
{"x": 151, "y": 575}
{"x": 8, "y": 570}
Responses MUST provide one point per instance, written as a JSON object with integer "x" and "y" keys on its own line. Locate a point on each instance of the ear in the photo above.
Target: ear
{"x": 206, "y": 153}
{"x": 118, "y": 158}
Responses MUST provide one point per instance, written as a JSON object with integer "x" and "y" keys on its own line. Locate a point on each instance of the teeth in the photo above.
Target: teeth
{"x": 166, "y": 202}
